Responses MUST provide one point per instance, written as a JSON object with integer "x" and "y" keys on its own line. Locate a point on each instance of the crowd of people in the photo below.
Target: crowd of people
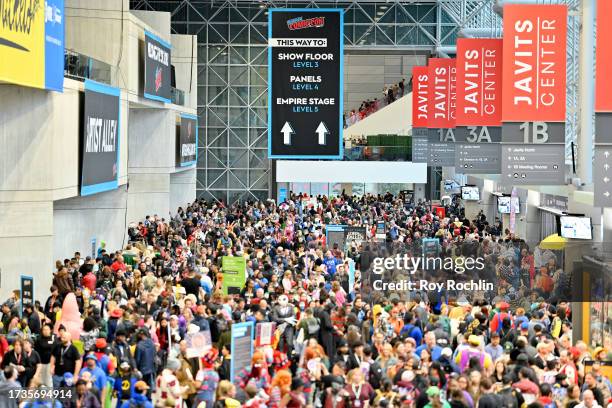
{"x": 115, "y": 329}
{"x": 390, "y": 94}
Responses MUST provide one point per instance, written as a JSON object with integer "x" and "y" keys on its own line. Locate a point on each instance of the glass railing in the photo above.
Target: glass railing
{"x": 378, "y": 153}
{"x": 81, "y": 67}
{"x": 178, "y": 97}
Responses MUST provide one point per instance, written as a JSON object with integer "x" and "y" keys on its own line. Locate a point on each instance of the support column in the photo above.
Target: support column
{"x": 587, "y": 92}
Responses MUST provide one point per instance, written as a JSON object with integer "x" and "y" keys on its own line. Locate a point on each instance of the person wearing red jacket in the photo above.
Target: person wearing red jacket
{"x": 89, "y": 281}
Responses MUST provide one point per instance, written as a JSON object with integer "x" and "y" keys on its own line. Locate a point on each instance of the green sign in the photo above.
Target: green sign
{"x": 234, "y": 274}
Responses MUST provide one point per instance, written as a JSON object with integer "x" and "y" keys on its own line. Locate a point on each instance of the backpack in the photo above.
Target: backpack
{"x": 313, "y": 326}
{"x": 466, "y": 356}
{"x": 404, "y": 334}
{"x": 376, "y": 374}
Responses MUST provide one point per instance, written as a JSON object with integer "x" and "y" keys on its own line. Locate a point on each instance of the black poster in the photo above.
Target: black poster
{"x": 27, "y": 291}
{"x": 187, "y": 145}
{"x": 157, "y": 71}
{"x": 305, "y": 74}
{"x": 100, "y": 139}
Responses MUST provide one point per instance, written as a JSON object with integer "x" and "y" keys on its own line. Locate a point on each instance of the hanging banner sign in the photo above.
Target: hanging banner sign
{"x": 157, "y": 69}
{"x": 479, "y": 74}
{"x": 534, "y": 94}
{"x": 441, "y": 110}
{"x": 602, "y": 165}
{"x": 187, "y": 150}
{"x": 305, "y": 76}
{"x": 32, "y": 43}
{"x": 100, "y": 138}
{"x": 534, "y": 78}
{"x": 420, "y": 96}
{"x": 478, "y": 131}
{"x": 442, "y": 93}
{"x": 603, "y": 51}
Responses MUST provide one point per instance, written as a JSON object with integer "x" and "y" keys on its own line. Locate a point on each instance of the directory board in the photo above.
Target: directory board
{"x": 305, "y": 76}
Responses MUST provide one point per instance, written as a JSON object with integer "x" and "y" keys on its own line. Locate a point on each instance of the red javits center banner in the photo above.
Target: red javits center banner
{"x": 603, "y": 84}
{"x": 533, "y": 94}
{"x": 602, "y": 165}
{"x": 479, "y": 72}
{"x": 420, "y": 95}
{"x": 535, "y": 39}
{"x": 442, "y": 93}
{"x": 441, "y": 112}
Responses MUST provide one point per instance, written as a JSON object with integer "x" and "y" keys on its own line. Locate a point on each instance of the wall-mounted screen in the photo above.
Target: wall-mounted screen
{"x": 576, "y": 227}
{"x": 470, "y": 193}
{"x": 504, "y": 205}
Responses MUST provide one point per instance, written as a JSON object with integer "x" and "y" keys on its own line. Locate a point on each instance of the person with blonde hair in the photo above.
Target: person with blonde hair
{"x": 358, "y": 392}
{"x": 226, "y": 391}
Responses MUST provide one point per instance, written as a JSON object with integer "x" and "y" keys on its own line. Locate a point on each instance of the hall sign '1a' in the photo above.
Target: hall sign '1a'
{"x": 533, "y": 94}
{"x": 305, "y": 75}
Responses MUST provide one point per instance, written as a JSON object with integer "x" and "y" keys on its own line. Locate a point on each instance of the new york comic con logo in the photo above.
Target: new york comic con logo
{"x": 158, "y": 78}
{"x": 299, "y": 23}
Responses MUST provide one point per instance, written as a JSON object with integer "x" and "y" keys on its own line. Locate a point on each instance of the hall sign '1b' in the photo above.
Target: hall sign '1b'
{"x": 305, "y": 60}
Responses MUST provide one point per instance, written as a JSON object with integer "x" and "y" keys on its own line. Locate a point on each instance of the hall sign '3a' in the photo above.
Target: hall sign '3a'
{"x": 305, "y": 64}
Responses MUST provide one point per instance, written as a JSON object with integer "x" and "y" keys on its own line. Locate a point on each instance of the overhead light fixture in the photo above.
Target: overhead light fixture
{"x": 380, "y": 13}
{"x": 384, "y": 7}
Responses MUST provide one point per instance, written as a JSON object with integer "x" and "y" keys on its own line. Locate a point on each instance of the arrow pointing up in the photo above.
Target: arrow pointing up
{"x": 606, "y": 179}
{"x": 607, "y": 154}
{"x": 287, "y": 131}
{"x": 322, "y": 131}
{"x": 607, "y": 194}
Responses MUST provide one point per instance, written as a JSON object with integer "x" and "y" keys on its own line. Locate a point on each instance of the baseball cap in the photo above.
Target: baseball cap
{"x": 91, "y": 356}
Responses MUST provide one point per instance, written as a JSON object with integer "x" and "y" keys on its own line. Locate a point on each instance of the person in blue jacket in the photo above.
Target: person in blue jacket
{"x": 139, "y": 397}
{"x": 98, "y": 377}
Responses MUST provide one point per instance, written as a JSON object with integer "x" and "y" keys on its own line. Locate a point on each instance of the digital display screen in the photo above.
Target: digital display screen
{"x": 576, "y": 227}
{"x": 504, "y": 205}
{"x": 470, "y": 193}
